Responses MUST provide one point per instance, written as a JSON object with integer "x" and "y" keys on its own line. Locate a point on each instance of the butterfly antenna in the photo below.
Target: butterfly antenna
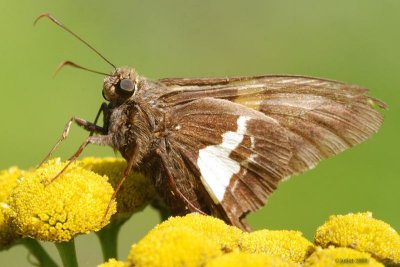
{"x": 53, "y": 19}
{"x": 72, "y": 64}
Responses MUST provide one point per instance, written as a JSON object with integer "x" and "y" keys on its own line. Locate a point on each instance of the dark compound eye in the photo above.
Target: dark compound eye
{"x": 126, "y": 86}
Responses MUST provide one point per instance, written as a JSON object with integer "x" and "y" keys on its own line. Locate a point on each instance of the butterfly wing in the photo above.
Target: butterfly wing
{"x": 237, "y": 154}
{"x": 236, "y": 138}
{"x": 323, "y": 117}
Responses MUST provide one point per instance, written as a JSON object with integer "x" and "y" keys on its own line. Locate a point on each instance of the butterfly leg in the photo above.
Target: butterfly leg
{"x": 172, "y": 184}
{"x": 91, "y": 127}
{"x": 133, "y": 160}
{"x": 103, "y": 109}
{"x": 98, "y": 140}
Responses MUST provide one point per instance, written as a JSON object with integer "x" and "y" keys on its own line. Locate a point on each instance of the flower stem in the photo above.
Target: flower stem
{"x": 108, "y": 237}
{"x": 108, "y": 241}
{"x": 38, "y": 251}
{"x": 67, "y": 253}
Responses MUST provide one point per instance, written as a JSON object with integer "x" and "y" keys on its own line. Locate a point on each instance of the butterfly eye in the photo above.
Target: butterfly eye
{"x": 126, "y": 86}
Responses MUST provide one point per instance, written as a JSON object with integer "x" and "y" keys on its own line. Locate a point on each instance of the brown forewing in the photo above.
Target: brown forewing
{"x": 323, "y": 117}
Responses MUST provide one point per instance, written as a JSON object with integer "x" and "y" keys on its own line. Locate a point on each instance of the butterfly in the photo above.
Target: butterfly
{"x": 220, "y": 146}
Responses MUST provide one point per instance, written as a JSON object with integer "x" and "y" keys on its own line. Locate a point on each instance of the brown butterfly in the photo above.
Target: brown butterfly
{"x": 220, "y": 146}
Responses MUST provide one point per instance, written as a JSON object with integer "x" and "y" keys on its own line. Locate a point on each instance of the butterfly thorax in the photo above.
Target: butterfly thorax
{"x": 132, "y": 122}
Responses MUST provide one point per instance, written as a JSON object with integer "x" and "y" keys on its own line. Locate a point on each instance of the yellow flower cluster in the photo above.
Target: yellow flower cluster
{"x": 290, "y": 245}
{"x": 76, "y": 202}
{"x": 198, "y": 240}
{"x": 73, "y": 204}
{"x": 361, "y": 232}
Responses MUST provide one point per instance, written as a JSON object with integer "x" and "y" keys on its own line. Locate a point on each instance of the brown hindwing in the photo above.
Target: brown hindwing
{"x": 261, "y": 155}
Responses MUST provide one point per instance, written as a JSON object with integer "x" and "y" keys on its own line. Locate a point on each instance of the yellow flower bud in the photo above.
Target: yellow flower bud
{"x": 363, "y": 233}
{"x": 173, "y": 246}
{"x": 75, "y": 203}
{"x": 225, "y": 235}
{"x": 290, "y": 245}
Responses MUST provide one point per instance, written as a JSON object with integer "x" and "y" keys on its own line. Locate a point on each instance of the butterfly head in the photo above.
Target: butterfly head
{"x": 120, "y": 85}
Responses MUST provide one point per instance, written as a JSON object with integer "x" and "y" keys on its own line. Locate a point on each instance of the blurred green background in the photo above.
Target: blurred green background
{"x": 353, "y": 41}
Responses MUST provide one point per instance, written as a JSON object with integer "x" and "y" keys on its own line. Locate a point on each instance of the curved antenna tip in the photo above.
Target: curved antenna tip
{"x": 72, "y": 64}
{"x": 48, "y": 15}
{"x": 60, "y": 66}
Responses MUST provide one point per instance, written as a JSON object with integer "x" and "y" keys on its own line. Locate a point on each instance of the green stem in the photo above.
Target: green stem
{"x": 108, "y": 237}
{"x": 38, "y": 251}
{"x": 67, "y": 253}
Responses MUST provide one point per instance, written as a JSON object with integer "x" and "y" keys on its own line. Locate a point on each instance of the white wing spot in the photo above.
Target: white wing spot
{"x": 216, "y": 167}
{"x": 253, "y": 142}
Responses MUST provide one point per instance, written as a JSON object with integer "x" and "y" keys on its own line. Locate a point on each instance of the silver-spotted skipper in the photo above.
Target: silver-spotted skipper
{"x": 220, "y": 146}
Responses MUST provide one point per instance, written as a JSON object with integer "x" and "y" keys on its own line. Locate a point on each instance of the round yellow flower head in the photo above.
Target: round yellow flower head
{"x": 240, "y": 259}
{"x": 363, "y": 233}
{"x": 8, "y": 180}
{"x": 113, "y": 263}
{"x": 75, "y": 203}
{"x": 134, "y": 194}
{"x": 341, "y": 257}
{"x": 225, "y": 235}
{"x": 173, "y": 246}
{"x": 290, "y": 245}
